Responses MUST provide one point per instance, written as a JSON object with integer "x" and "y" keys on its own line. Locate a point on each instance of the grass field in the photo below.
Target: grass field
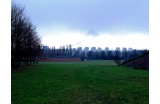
{"x": 90, "y": 82}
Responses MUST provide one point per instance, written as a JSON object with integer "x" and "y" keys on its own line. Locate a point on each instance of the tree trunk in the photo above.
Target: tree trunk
{"x": 27, "y": 61}
{"x": 33, "y": 60}
{"x": 18, "y": 63}
{"x": 30, "y": 61}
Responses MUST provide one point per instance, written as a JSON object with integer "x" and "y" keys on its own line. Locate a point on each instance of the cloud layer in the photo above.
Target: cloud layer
{"x": 100, "y": 23}
{"x": 109, "y": 16}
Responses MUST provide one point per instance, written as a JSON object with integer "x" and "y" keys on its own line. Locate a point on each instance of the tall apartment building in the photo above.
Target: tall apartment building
{"x": 99, "y": 49}
{"x": 93, "y": 49}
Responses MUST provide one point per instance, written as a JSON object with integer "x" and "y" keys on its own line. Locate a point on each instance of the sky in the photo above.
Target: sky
{"x": 88, "y": 23}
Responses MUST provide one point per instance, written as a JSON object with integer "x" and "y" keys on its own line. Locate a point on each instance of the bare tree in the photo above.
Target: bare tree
{"x": 25, "y": 42}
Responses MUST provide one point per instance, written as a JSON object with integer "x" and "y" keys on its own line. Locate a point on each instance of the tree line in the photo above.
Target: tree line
{"x": 112, "y": 54}
{"x": 92, "y": 55}
{"x": 53, "y": 52}
{"x": 25, "y": 42}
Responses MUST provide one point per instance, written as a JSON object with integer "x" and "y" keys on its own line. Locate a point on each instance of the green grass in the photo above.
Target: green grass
{"x": 90, "y": 82}
{"x": 92, "y": 62}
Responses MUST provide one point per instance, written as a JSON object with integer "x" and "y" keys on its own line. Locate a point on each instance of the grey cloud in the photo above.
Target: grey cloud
{"x": 92, "y": 32}
{"x": 102, "y": 15}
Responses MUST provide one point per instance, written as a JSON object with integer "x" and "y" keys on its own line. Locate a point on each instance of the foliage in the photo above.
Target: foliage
{"x": 140, "y": 62}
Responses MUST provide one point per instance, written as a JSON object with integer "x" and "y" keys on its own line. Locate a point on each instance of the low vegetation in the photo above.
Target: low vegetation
{"x": 140, "y": 62}
{"x": 88, "y": 82}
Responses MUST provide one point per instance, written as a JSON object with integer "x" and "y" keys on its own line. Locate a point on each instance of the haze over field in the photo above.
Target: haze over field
{"x": 99, "y": 23}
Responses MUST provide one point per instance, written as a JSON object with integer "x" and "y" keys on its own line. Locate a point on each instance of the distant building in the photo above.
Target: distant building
{"x": 79, "y": 50}
{"x": 124, "y": 53}
{"x": 106, "y": 50}
{"x": 112, "y": 52}
{"x": 45, "y": 47}
{"x": 93, "y": 49}
{"x": 130, "y": 49}
{"x": 99, "y": 49}
{"x": 86, "y": 49}
{"x": 124, "y": 49}
{"x": 118, "y": 49}
{"x": 73, "y": 51}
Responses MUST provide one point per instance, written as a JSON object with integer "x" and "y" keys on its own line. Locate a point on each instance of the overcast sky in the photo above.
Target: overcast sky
{"x": 99, "y": 23}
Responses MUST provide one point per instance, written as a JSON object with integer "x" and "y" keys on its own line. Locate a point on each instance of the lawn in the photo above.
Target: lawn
{"x": 90, "y": 82}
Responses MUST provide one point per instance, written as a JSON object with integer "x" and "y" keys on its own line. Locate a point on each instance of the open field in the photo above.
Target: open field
{"x": 89, "y": 62}
{"x": 88, "y": 82}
